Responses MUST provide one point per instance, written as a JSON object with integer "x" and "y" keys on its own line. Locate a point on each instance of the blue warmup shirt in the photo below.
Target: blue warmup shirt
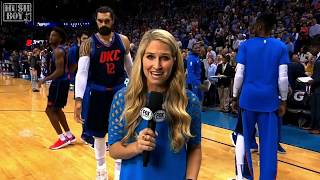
{"x": 164, "y": 163}
{"x": 261, "y": 57}
{"x": 194, "y": 69}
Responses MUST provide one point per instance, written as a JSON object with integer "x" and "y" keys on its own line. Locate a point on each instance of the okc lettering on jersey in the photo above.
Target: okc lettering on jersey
{"x": 108, "y": 57}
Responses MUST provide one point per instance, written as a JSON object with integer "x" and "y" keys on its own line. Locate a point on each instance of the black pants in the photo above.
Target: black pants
{"x": 211, "y": 98}
{"x": 315, "y": 109}
{"x": 16, "y": 69}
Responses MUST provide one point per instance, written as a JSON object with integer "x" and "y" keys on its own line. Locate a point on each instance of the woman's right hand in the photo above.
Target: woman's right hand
{"x": 77, "y": 111}
{"x": 146, "y": 141}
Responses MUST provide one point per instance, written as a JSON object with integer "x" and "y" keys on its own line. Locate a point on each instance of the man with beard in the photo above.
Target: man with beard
{"x": 104, "y": 58}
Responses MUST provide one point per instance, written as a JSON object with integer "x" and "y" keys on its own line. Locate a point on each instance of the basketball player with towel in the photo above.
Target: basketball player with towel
{"x": 261, "y": 74}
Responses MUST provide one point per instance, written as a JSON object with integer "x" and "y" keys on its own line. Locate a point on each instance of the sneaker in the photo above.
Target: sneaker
{"x": 87, "y": 139}
{"x": 233, "y": 137}
{"x": 102, "y": 173}
{"x": 280, "y": 149}
{"x": 60, "y": 144}
{"x": 92, "y": 146}
{"x": 84, "y": 141}
{"x": 72, "y": 140}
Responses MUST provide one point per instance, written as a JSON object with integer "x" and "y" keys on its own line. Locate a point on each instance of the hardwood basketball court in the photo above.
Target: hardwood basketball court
{"x": 26, "y": 134}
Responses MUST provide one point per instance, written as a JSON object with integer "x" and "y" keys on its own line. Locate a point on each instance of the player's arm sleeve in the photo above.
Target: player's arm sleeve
{"x": 127, "y": 56}
{"x": 283, "y": 81}
{"x": 83, "y": 69}
{"x": 238, "y": 79}
{"x": 82, "y": 76}
{"x": 128, "y": 63}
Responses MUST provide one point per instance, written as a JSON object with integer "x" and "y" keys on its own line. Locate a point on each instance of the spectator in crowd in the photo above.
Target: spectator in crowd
{"x": 295, "y": 70}
{"x": 314, "y": 29}
{"x": 310, "y": 66}
{"x": 290, "y": 45}
{"x": 211, "y": 54}
{"x": 211, "y": 97}
{"x": 315, "y": 86}
{"x": 225, "y": 73}
{"x": 34, "y": 68}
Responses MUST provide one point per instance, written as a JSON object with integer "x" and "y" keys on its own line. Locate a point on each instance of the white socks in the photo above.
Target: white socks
{"x": 240, "y": 151}
{"x": 69, "y": 134}
{"x": 62, "y": 137}
{"x": 100, "y": 150}
{"x": 102, "y": 172}
{"x": 117, "y": 169}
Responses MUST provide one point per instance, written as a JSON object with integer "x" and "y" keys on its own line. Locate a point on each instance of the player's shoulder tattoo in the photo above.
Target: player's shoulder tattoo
{"x": 85, "y": 48}
{"x": 124, "y": 38}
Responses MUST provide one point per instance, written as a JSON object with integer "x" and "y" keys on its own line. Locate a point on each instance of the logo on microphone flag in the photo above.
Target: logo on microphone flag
{"x": 159, "y": 115}
{"x": 146, "y": 113}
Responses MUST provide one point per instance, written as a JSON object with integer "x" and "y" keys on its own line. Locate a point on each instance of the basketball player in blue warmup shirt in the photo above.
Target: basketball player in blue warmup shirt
{"x": 175, "y": 146}
{"x": 73, "y": 57}
{"x": 261, "y": 73}
{"x": 104, "y": 58}
{"x": 194, "y": 71}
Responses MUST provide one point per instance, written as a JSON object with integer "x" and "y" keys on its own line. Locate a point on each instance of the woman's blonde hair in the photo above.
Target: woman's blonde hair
{"x": 176, "y": 100}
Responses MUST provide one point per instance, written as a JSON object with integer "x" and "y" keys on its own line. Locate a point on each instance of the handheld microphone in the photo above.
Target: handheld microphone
{"x": 154, "y": 104}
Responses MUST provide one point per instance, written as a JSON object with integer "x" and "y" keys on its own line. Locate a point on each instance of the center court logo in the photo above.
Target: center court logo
{"x": 16, "y": 12}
